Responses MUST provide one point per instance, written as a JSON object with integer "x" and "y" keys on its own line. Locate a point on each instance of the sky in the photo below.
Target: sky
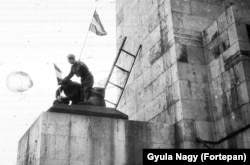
{"x": 34, "y": 35}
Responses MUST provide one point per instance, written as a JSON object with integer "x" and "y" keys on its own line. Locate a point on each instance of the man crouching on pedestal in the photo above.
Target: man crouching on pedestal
{"x": 72, "y": 91}
{"x": 80, "y": 69}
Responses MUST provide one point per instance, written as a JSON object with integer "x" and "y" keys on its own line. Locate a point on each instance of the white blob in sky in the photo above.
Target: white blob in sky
{"x": 19, "y": 81}
{"x": 34, "y": 35}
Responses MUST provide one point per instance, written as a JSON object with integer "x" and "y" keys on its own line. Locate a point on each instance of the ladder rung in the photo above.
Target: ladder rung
{"x": 124, "y": 70}
{"x": 110, "y": 102}
{"x": 116, "y": 85}
{"x": 129, "y": 53}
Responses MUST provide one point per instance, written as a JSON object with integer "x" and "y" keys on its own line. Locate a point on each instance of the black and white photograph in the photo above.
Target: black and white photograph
{"x": 124, "y": 82}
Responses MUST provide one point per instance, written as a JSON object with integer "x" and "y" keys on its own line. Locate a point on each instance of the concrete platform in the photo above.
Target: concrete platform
{"x": 88, "y": 110}
{"x": 69, "y": 139}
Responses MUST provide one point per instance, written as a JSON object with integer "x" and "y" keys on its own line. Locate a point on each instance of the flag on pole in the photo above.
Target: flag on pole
{"x": 58, "y": 74}
{"x": 96, "y": 26}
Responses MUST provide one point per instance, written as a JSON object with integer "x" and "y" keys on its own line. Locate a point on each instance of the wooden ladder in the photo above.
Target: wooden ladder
{"x": 127, "y": 71}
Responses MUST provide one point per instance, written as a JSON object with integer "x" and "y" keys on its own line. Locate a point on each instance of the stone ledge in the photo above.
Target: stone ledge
{"x": 88, "y": 110}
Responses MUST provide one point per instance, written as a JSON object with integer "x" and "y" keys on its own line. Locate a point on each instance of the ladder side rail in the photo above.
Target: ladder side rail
{"x": 138, "y": 51}
{"x": 113, "y": 66}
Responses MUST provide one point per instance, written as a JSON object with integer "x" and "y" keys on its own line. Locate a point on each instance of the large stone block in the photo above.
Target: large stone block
{"x": 155, "y": 52}
{"x": 186, "y": 89}
{"x": 218, "y": 46}
{"x": 170, "y": 57}
{"x": 159, "y": 85}
{"x": 230, "y": 15}
{"x": 168, "y": 77}
{"x": 217, "y": 106}
{"x": 196, "y": 110}
{"x": 156, "y": 106}
{"x": 206, "y": 10}
{"x": 192, "y": 72}
{"x": 243, "y": 94}
{"x": 246, "y": 68}
{"x": 173, "y": 94}
{"x": 229, "y": 79}
{"x": 196, "y": 91}
{"x": 131, "y": 107}
{"x": 167, "y": 116}
{"x": 214, "y": 69}
{"x": 245, "y": 112}
{"x": 119, "y": 17}
{"x": 222, "y": 22}
{"x": 188, "y": 34}
{"x": 157, "y": 68}
{"x": 196, "y": 55}
{"x": 57, "y": 138}
{"x": 181, "y": 53}
{"x": 153, "y": 21}
{"x": 153, "y": 37}
{"x": 231, "y": 51}
{"x": 204, "y": 130}
{"x": 244, "y": 46}
{"x": 233, "y": 122}
{"x": 182, "y": 6}
{"x": 190, "y": 22}
{"x": 210, "y": 33}
{"x": 232, "y": 33}
{"x": 185, "y": 132}
{"x": 241, "y": 14}
{"x": 242, "y": 32}
{"x": 220, "y": 129}
{"x": 243, "y": 140}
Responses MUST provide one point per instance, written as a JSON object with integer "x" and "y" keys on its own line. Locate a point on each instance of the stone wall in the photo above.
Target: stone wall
{"x": 147, "y": 23}
{"x": 170, "y": 32}
{"x": 65, "y": 139}
{"x": 169, "y": 80}
{"x": 172, "y": 79}
{"x": 227, "y": 50}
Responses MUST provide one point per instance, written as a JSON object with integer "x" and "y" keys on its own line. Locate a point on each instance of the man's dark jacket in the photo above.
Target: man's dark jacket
{"x": 72, "y": 91}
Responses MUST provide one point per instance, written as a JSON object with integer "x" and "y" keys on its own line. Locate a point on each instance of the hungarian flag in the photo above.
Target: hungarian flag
{"x": 96, "y": 26}
{"x": 58, "y": 74}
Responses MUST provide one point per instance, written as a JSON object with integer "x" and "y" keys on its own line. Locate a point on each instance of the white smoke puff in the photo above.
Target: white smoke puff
{"x": 19, "y": 81}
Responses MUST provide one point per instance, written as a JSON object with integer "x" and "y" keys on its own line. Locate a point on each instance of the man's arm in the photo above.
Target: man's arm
{"x": 70, "y": 75}
{"x": 58, "y": 92}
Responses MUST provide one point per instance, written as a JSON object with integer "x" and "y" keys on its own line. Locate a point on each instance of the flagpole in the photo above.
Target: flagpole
{"x": 85, "y": 40}
{"x": 84, "y": 43}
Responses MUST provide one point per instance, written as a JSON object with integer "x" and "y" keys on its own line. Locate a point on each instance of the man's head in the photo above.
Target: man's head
{"x": 71, "y": 58}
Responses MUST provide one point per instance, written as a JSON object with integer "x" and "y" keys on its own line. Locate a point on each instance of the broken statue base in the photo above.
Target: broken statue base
{"x": 58, "y": 138}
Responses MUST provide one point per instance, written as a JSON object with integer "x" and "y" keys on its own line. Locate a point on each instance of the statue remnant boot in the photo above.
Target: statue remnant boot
{"x": 96, "y": 97}
{"x": 86, "y": 88}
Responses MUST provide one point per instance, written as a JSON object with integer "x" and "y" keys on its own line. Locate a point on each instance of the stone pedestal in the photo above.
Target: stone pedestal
{"x": 74, "y": 139}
